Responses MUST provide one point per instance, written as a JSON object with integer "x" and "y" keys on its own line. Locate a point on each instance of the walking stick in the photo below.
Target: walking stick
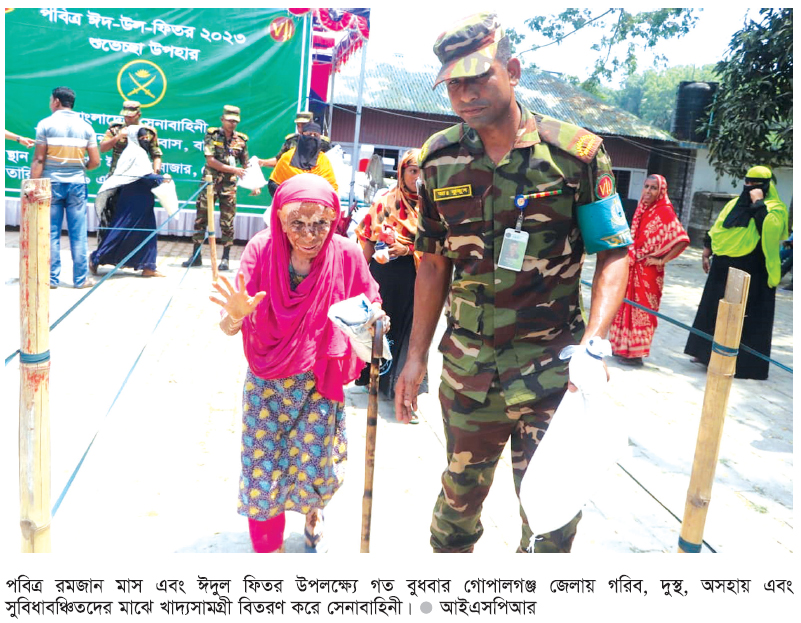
{"x": 369, "y": 448}
{"x": 34, "y": 403}
{"x": 210, "y": 226}
{"x": 722, "y": 363}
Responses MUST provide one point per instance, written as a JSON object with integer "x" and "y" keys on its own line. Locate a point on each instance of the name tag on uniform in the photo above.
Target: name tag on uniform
{"x": 218, "y": 143}
{"x": 453, "y": 192}
{"x": 513, "y": 250}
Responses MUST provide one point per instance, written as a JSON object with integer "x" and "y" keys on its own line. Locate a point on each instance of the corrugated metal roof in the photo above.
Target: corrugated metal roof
{"x": 394, "y": 84}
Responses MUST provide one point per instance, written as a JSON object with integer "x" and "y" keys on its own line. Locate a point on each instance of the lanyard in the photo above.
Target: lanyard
{"x": 521, "y": 201}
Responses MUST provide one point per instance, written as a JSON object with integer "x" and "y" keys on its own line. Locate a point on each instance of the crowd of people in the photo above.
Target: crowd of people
{"x": 490, "y": 220}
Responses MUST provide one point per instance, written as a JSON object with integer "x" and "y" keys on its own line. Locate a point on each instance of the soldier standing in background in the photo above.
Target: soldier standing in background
{"x": 116, "y": 140}
{"x": 505, "y": 175}
{"x": 226, "y": 152}
{"x": 291, "y": 140}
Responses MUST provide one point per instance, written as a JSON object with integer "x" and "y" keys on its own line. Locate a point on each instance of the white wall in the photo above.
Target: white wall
{"x": 705, "y": 179}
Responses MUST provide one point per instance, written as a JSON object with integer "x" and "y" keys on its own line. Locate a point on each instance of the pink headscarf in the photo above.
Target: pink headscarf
{"x": 289, "y": 332}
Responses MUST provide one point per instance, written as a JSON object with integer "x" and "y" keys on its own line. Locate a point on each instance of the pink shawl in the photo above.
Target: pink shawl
{"x": 289, "y": 332}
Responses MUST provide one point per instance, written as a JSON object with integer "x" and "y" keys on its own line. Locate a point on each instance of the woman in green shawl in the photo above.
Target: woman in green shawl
{"x": 746, "y": 235}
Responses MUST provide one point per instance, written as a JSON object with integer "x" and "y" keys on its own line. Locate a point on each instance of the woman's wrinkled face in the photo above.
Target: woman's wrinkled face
{"x": 410, "y": 174}
{"x": 306, "y": 225}
{"x": 650, "y": 191}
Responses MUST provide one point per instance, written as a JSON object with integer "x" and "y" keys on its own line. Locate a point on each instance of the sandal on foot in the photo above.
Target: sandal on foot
{"x": 313, "y": 533}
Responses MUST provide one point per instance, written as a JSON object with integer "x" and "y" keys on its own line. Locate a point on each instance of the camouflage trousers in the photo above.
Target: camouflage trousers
{"x": 476, "y": 434}
{"x": 225, "y": 195}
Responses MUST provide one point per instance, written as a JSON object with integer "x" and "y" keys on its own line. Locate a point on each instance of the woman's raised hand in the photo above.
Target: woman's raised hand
{"x": 237, "y": 303}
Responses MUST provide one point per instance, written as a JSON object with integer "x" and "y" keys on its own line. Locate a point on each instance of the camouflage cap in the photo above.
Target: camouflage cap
{"x": 304, "y": 117}
{"x": 468, "y": 47}
{"x": 231, "y": 112}
{"x": 130, "y": 108}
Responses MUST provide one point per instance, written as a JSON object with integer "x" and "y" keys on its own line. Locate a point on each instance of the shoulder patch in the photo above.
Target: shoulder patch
{"x": 573, "y": 139}
{"x": 211, "y": 130}
{"x": 604, "y": 186}
{"x": 242, "y": 135}
{"x": 440, "y": 140}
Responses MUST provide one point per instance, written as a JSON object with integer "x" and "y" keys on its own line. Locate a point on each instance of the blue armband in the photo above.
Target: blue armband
{"x": 603, "y": 225}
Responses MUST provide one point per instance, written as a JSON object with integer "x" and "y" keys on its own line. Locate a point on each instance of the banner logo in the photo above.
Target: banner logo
{"x": 282, "y": 29}
{"x": 143, "y": 81}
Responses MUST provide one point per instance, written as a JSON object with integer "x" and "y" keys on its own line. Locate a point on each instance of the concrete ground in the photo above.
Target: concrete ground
{"x": 162, "y": 473}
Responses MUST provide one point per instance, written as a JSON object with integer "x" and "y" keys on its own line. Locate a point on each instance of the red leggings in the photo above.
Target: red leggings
{"x": 267, "y": 536}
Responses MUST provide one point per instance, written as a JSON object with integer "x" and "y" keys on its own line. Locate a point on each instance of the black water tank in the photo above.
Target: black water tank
{"x": 692, "y": 100}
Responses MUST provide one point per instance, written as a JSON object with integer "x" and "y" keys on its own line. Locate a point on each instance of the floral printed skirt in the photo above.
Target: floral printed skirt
{"x": 294, "y": 446}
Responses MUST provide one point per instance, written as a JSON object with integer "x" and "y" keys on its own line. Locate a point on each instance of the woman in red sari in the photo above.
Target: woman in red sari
{"x": 658, "y": 238}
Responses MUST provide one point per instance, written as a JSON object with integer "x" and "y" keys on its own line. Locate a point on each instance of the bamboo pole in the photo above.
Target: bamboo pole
{"x": 728, "y": 330}
{"x": 369, "y": 449}
{"x": 210, "y": 226}
{"x": 34, "y": 402}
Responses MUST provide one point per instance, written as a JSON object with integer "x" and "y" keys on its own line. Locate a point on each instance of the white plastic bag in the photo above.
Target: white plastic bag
{"x": 165, "y": 193}
{"x": 352, "y": 316}
{"x": 582, "y": 442}
{"x": 253, "y": 177}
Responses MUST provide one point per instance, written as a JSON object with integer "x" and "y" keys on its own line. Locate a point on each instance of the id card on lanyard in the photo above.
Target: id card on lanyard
{"x": 515, "y": 241}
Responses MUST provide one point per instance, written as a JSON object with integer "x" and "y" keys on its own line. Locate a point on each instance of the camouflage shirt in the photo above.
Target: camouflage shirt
{"x": 217, "y": 145}
{"x": 502, "y": 322}
{"x": 150, "y": 143}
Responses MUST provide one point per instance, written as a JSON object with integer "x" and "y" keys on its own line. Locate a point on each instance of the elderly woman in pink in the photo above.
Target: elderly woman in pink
{"x": 293, "y": 441}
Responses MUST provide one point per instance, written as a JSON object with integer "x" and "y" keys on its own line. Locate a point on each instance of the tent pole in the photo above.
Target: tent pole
{"x": 331, "y": 95}
{"x": 302, "y": 62}
{"x": 309, "y": 70}
{"x": 354, "y": 161}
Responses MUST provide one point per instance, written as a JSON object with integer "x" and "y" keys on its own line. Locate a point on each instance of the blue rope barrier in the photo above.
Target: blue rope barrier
{"x": 116, "y": 268}
{"x": 119, "y": 392}
{"x": 724, "y": 350}
{"x": 34, "y": 357}
{"x": 172, "y": 231}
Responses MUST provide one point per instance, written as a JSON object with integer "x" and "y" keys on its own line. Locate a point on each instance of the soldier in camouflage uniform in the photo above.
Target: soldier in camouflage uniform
{"x": 291, "y": 140}
{"x": 116, "y": 140}
{"x": 501, "y": 374}
{"x": 223, "y": 147}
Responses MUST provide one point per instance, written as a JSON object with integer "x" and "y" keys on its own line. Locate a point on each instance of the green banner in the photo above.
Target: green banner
{"x": 182, "y": 65}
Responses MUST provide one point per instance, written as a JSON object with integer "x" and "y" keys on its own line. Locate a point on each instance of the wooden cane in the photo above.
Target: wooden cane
{"x": 210, "y": 226}
{"x": 722, "y": 363}
{"x": 34, "y": 403}
{"x": 369, "y": 448}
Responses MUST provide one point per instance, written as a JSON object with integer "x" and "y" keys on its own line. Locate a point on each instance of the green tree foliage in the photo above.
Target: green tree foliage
{"x": 752, "y": 117}
{"x": 651, "y": 95}
{"x": 621, "y": 32}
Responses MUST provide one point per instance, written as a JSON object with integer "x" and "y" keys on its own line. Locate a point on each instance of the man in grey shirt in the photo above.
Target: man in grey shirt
{"x": 63, "y": 142}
